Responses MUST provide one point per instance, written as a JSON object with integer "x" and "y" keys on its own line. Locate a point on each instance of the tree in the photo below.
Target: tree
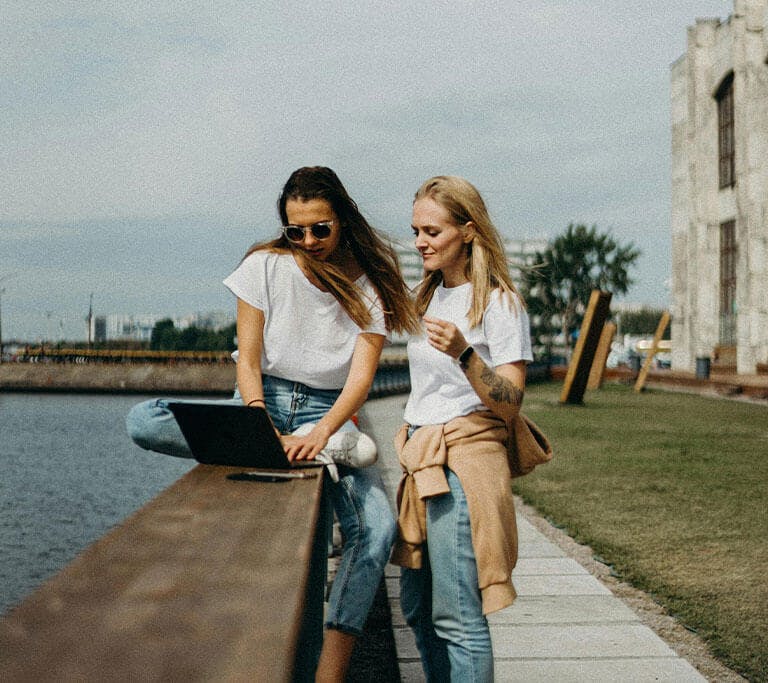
{"x": 165, "y": 336}
{"x": 559, "y": 281}
{"x": 642, "y": 322}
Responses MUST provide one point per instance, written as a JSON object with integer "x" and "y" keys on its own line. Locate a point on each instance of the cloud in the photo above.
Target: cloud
{"x": 142, "y": 121}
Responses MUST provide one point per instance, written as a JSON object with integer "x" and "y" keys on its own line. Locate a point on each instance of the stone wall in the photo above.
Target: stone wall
{"x": 140, "y": 378}
{"x": 715, "y": 50}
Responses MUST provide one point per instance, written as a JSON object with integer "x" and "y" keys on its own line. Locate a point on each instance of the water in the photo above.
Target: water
{"x": 68, "y": 473}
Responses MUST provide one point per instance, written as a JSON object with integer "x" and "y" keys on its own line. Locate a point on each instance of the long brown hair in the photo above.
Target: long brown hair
{"x": 486, "y": 266}
{"x": 374, "y": 255}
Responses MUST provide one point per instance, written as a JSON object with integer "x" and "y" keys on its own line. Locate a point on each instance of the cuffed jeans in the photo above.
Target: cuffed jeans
{"x": 359, "y": 498}
{"x": 441, "y": 601}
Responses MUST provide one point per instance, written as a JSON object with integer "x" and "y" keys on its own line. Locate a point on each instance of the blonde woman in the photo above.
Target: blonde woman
{"x": 457, "y": 538}
{"x": 313, "y": 308}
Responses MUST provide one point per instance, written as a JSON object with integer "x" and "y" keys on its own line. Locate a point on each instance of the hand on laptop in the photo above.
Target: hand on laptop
{"x": 305, "y": 443}
{"x": 350, "y": 448}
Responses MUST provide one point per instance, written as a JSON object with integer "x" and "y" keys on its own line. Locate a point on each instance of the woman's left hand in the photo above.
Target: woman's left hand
{"x": 444, "y": 336}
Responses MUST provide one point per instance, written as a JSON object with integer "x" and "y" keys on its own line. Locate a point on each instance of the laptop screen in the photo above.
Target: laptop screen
{"x": 235, "y": 435}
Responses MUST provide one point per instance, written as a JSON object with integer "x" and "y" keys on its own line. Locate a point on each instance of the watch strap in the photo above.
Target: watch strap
{"x": 464, "y": 357}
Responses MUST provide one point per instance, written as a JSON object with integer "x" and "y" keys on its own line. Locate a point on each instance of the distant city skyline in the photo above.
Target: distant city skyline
{"x": 143, "y": 145}
{"x": 137, "y": 325}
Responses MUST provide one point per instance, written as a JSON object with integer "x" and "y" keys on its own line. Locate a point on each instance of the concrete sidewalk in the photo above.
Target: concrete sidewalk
{"x": 564, "y": 626}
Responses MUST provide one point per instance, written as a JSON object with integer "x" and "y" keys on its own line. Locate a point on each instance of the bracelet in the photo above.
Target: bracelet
{"x": 253, "y": 400}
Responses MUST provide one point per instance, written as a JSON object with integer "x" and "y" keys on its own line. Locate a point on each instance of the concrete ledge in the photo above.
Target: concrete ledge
{"x": 137, "y": 378}
{"x": 577, "y": 641}
{"x": 673, "y": 670}
{"x": 559, "y": 585}
{"x": 564, "y": 610}
{"x": 540, "y": 566}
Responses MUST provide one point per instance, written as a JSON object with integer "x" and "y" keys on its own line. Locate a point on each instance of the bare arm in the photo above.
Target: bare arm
{"x": 500, "y": 389}
{"x": 365, "y": 360}
{"x": 250, "y": 341}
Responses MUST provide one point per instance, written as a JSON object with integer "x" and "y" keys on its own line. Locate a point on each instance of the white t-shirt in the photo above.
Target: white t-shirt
{"x": 439, "y": 389}
{"x": 308, "y": 336}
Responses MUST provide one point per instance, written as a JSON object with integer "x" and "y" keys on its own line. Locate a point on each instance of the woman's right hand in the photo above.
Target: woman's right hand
{"x": 444, "y": 336}
{"x": 306, "y": 446}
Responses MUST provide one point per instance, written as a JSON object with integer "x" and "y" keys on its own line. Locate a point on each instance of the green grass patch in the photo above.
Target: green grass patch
{"x": 670, "y": 489}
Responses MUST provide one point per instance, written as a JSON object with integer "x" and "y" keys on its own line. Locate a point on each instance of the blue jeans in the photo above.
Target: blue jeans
{"x": 441, "y": 601}
{"x": 359, "y": 498}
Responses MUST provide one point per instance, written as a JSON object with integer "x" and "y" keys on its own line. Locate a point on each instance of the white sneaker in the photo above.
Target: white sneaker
{"x": 321, "y": 456}
{"x": 353, "y": 449}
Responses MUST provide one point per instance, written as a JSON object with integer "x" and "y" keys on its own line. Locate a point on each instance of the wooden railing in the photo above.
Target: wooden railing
{"x": 212, "y": 580}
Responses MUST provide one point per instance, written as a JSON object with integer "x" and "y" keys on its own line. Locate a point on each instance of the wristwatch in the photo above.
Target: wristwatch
{"x": 464, "y": 357}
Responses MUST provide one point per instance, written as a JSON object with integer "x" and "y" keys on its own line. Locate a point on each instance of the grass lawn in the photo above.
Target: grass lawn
{"x": 671, "y": 490}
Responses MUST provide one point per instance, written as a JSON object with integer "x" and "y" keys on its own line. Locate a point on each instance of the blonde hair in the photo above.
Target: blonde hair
{"x": 486, "y": 266}
{"x": 375, "y": 256}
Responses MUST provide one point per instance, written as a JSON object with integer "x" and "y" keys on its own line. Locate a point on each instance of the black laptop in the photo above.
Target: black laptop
{"x": 234, "y": 435}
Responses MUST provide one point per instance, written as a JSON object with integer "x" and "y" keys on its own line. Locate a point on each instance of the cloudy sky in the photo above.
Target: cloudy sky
{"x": 143, "y": 144}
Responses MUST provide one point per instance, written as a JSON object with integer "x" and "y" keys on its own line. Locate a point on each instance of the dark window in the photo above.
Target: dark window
{"x": 725, "y": 143}
{"x": 728, "y": 253}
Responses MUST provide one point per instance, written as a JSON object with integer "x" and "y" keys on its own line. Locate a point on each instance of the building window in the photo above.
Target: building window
{"x": 725, "y": 142}
{"x": 728, "y": 253}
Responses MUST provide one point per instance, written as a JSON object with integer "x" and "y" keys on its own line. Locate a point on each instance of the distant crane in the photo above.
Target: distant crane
{"x": 89, "y": 320}
{"x": 2, "y": 291}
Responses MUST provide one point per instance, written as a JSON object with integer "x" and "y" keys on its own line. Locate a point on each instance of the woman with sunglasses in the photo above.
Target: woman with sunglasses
{"x": 313, "y": 309}
{"x": 457, "y": 540}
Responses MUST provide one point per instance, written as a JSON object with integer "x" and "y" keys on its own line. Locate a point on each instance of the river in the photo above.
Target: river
{"x": 68, "y": 473}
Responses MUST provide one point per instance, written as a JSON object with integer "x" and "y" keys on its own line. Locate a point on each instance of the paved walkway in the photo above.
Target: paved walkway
{"x": 565, "y": 624}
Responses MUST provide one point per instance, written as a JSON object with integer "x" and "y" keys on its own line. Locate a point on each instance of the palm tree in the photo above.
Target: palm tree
{"x": 559, "y": 281}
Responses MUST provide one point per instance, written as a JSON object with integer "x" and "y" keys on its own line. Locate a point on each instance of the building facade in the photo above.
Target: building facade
{"x": 719, "y": 221}
{"x": 138, "y": 327}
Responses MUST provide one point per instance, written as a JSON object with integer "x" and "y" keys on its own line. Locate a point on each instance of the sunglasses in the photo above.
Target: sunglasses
{"x": 320, "y": 231}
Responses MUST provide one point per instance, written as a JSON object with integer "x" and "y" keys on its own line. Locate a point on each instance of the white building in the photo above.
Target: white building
{"x": 719, "y": 97}
{"x": 139, "y": 326}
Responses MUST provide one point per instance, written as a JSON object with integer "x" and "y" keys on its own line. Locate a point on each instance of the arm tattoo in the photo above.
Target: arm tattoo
{"x": 500, "y": 389}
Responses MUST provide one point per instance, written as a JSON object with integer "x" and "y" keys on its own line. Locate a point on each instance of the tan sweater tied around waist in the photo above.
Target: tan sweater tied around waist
{"x": 474, "y": 448}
